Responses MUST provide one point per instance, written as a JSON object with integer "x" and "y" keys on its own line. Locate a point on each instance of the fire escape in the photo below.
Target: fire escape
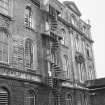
{"x": 53, "y": 55}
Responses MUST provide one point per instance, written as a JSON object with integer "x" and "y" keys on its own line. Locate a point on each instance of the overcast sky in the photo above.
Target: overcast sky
{"x": 94, "y": 11}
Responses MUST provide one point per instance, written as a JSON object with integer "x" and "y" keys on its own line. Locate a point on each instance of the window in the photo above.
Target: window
{"x": 73, "y": 19}
{"x": 29, "y": 54}
{"x": 88, "y": 51}
{"x": 68, "y": 99}
{"x": 77, "y": 43}
{"x": 4, "y": 47}
{"x": 65, "y": 66}
{"x": 4, "y": 6}
{"x": 3, "y": 97}
{"x": 31, "y": 98}
{"x": 28, "y": 16}
{"x": 63, "y": 36}
{"x": 83, "y": 72}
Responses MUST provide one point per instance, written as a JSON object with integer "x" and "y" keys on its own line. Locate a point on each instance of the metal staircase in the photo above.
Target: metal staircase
{"x": 54, "y": 23}
{"x": 53, "y": 54}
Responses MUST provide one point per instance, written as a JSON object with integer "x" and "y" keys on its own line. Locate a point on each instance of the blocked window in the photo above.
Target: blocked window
{"x": 28, "y": 16}
{"x": 3, "y": 97}
{"x": 29, "y": 53}
{"x": 4, "y": 6}
{"x": 31, "y": 98}
{"x": 4, "y": 47}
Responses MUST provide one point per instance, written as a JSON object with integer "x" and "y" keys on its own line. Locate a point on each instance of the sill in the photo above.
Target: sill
{"x": 30, "y": 28}
{"x": 6, "y": 16}
{"x": 4, "y": 64}
{"x": 32, "y": 70}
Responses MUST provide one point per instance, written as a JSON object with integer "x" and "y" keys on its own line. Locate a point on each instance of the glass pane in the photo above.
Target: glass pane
{"x": 14, "y": 61}
{"x": 5, "y": 57}
{"x": 28, "y": 54}
{"x": 0, "y": 55}
{"x": 1, "y": 36}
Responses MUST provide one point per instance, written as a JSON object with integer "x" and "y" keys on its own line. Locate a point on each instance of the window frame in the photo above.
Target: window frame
{"x": 2, "y": 43}
{"x": 63, "y": 32}
{"x": 28, "y": 16}
{"x": 27, "y": 53}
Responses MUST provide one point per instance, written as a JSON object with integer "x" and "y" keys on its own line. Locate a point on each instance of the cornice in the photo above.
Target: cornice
{"x": 74, "y": 28}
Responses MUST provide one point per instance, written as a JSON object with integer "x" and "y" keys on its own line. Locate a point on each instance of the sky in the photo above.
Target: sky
{"x": 94, "y": 11}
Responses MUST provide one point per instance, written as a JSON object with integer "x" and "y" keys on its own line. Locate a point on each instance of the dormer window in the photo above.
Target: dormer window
{"x": 4, "y": 6}
{"x": 28, "y": 16}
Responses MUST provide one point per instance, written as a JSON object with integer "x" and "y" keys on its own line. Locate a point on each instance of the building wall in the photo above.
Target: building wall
{"x": 18, "y": 89}
{"x": 16, "y": 78}
{"x": 81, "y": 30}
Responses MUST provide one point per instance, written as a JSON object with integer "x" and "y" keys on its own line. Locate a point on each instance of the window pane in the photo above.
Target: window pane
{"x": 28, "y": 16}
{"x": 28, "y": 54}
{"x": 3, "y": 47}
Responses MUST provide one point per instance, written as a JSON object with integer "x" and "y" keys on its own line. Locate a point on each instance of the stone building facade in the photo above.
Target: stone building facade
{"x": 45, "y": 53}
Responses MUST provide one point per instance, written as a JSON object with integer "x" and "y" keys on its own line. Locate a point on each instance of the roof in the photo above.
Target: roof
{"x": 71, "y": 5}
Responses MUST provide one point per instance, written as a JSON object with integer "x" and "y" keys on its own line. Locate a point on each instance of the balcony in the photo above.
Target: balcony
{"x": 79, "y": 57}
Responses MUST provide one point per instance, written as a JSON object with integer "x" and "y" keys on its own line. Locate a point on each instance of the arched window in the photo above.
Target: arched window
{"x": 30, "y": 98}
{"x": 68, "y": 99}
{"x": 4, "y": 6}
{"x": 3, "y": 96}
{"x": 28, "y": 16}
{"x": 4, "y": 47}
{"x": 29, "y": 53}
